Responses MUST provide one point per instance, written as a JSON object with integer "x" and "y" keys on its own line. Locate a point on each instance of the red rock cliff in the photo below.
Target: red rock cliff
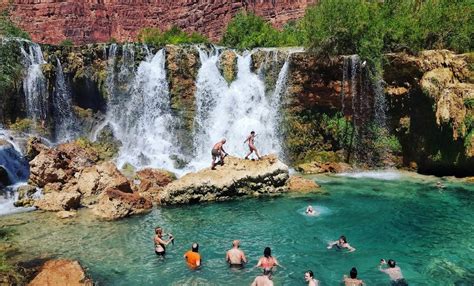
{"x": 85, "y": 21}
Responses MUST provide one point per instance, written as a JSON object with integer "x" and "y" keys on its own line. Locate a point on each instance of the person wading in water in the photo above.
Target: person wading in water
{"x": 251, "y": 140}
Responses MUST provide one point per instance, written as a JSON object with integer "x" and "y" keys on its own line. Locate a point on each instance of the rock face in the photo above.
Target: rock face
{"x": 115, "y": 204}
{"x": 319, "y": 168}
{"x": 98, "y": 21}
{"x": 236, "y": 178}
{"x": 60, "y": 273}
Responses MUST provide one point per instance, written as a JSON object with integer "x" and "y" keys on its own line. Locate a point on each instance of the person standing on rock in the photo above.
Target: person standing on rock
{"x": 193, "y": 258}
{"x": 251, "y": 140}
{"x": 235, "y": 256}
{"x": 218, "y": 152}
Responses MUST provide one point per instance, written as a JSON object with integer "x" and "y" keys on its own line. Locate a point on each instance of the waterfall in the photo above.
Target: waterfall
{"x": 34, "y": 84}
{"x": 64, "y": 118}
{"x": 233, "y": 111}
{"x": 143, "y": 121}
{"x": 17, "y": 169}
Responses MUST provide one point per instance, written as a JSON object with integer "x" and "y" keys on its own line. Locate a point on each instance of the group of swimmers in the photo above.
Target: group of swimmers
{"x": 219, "y": 153}
{"x": 236, "y": 258}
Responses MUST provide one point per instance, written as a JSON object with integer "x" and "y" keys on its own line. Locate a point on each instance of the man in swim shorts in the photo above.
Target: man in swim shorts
{"x": 394, "y": 272}
{"x": 251, "y": 140}
{"x": 193, "y": 258}
{"x": 218, "y": 152}
{"x": 235, "y": 256}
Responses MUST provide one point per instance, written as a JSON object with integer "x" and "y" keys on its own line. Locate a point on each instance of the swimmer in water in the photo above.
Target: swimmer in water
{"x": 440, "y": 185}
{"x": 235, "y": 256}
{"x": 309, "y": 277}
{"x": 267, "y": 261}
{"x": 311, "y": 211}
{"x": 352, "y": 280}
{"x": 394, "y": 272}
{"x": 341, "y": 243}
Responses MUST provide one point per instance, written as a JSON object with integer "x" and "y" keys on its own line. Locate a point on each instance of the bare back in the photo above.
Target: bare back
{"x": 235, "y": 256}
{"x": 262, "y": 281}
{"x": 395, "y": 273}
{"x": 218, "y": 146}
{"x": 352, "y": 282}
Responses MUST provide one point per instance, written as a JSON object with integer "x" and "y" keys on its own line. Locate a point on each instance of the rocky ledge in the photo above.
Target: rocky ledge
{"x": 236, "y": 178}
{"x": 61, "y": 272}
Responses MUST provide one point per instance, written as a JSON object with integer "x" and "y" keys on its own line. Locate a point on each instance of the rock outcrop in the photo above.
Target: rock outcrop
{"x": 115, "y": 204}
{"x": 300, "y": 184}
{"x": 319, "y": 168}
{"x": 98, "y": 21}
{"x": 236, "y": 178}
{"x": 25, "y": 196}
{"x": 60, "y": 273}
{"x": 152, "y": 181}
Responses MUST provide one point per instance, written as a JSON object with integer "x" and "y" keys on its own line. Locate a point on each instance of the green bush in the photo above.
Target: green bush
{"x": 8, "y": 28}
{"x": 173, "y": 36}
{"x": 66, "y": 43}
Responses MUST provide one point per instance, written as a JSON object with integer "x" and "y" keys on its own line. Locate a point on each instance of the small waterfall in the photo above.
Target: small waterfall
{"x": 233, "y": 111}
{"x": 64, "y": 118}
{"x": 17, "y": 168}
{"x": 34, "y": 84}
{"x": 143, "y": 121}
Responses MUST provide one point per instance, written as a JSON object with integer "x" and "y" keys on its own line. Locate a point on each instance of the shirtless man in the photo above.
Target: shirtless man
{"x": 352, "y": 280}
{"x": 341, "y": 243}
{"x": 235, "y": 256}
{"x": 309, "y": 277}
{"x": 264, "y": 279}
{"x": 218, "y": 152}
{"x": 251, "y": 140}
{"x": 394, "y": 272}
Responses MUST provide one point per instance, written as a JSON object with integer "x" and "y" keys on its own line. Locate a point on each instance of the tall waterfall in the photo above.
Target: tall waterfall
{"x": 64, "y": 118}
{"x": 142, "y": 118}
{"x": 34, "y": 84}
{"x": 232, "y": 111}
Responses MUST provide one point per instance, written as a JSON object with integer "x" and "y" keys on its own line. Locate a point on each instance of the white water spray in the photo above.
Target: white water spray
{"x": 64, "y": 118}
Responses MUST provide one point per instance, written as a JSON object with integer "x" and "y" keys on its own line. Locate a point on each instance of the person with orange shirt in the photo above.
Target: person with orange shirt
{"x": 193, "y": 258}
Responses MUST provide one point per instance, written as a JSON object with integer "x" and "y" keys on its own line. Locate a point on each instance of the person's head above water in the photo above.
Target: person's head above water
{"x": 343, "y": 239}
{"x": 195, "y": 247}
{"x": 308, "y": 275}
{"x": 267, "y": 252}
{"x": 236, "y": 243}
{"x": 158, "y": 230}
{"x": 353, "y": 273}
{"x": 391, "y": 263}
{"x": 310, "y": 208}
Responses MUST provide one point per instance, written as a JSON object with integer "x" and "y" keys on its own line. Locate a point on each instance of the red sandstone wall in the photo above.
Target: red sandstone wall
{"x": 85, "y": 21}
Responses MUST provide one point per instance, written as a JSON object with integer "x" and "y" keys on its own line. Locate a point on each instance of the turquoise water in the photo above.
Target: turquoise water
{"x": 428, "y": 231}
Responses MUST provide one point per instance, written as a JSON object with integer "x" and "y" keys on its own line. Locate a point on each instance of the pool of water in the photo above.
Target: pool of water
{"x": 428, "y": 231}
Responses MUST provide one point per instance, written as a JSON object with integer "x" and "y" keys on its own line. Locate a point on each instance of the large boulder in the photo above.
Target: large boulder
{"x": 236, "y": 178}
{"x": 319, "y": 168}
{"x": 300, "y": 184}
{"x": 93, "y": 180}
{"x": 59, "y": 201}
{"x": 115, "y": 204}
{"x": 152, "y": 181}
{"x": 25, "y": 196}
{"x": 61, "y": 272}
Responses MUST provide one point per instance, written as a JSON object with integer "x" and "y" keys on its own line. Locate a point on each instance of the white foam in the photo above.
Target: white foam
{"x": 388, "y": 175}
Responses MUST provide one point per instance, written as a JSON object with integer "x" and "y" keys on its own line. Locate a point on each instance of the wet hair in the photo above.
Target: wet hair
{"x": 158, "y": 230}
{"x": 353, "y": 273}
{"x": 311, "y": 274}
{"x": 267, "y": 252}
{"x": 391, "y": 263}
{"x": 252, "y": 132}
{"x": 195, "y": 247}
{"x": 343, "y": 237}
{"x": 267, "y": 271}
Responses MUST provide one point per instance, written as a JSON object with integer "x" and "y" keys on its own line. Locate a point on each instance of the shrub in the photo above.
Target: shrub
{"x": 172, "y": 36}
{"x": 8, "y": 28}
{"x": 66, "y": 43}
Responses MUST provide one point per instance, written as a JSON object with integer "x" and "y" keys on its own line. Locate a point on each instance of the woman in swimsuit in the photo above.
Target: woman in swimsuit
{"x": 160, "y": 243}
{"x": 267, "y": 261}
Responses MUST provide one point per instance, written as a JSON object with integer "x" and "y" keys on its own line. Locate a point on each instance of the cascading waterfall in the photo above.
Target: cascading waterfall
{"x": 143, "y": 121}
{"x": 34, "y": 84}
{"x": 233, "y": 111}
{"x": 12, "y": 161}
{"x": 64, "y": 119}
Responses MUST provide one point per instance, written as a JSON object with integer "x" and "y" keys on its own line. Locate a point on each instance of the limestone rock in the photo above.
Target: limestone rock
{"x": 228, "y": 65}
{"x": 300, "y": 184}
{"x": 59, "y": 201}
{"x": 61, "y": 273}
{"x": 33, "y": 147}
{"x": 25, "y": 196}
{"x": 66, "y": 214}
{"x": 115, "y": 204}
{"x": 319, "y": 168}
{"x": 236, "y": 178}
{"x": 151, "y": 182}
{"x": 95, "y": 179}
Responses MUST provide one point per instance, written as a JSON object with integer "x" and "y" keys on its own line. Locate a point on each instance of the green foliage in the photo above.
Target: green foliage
{"x": 22, "y": 125}
{"x": 66, "y": 43}
{"x": 469, "y": 103}
{"x": 173, "y": 36}
{"x": 247, "y": 31}
{"x": 8, "y": 28}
